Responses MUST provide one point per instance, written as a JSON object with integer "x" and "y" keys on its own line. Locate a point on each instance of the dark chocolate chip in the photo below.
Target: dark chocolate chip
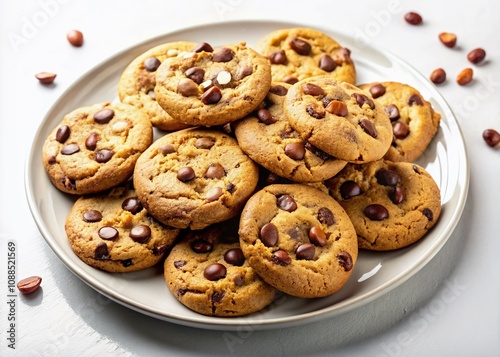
{"x": 92, "y": 216}
{"x": 305, "y": 251}
{"x": 140, "y": 233}
{"x": 104, "y": 155}
{"x": 295, "y": 151}
{"x": 215, "y": 170}
{"x": 416, "y": 169}
{"x": 265, "y": 116}
{"x": 204, "y": 143}
{"x": 345, "y": 261}
{"x": 415, "y": 99}
{"x": 290, "y": 79}
{"x": 91, "y": 141}
{"x": 314, "y": 111}
{"x": 312, "y": 89}
{"x": 70, "y": 149}
{"x": 368, "y": 127}
{"x": 281, "y": 257}
{"x": 101, "y": 252}
{"x": 108, "y": 233}
{"x": 243, "y": 71}
{"x": 215, "y": 272}
{"x": 277, "y": 57}
{"x": 269, "y": 235}
{"x": 326, "y": 216}
{"x": 166, "y": 149}
{"x": 62, "y": 133}
{"x": 278, "y": 90}
{"x": 151, "y": 64}
{"x": 196, "y": 74}
{"x": 126, "y": 263}
{"x": 376, "y": 212}
{"x": 231, "y": 187}
{"x": 397, "y": 195}
{"x": 203, "y": 46}
{"x": 201, "y": 246}
{"x": 327, "y": 64}
{"x": 223, "y": 54}
{"x": 234, "y": 256}
{"x": 318, "y": 152}
{"x": 300, "y": 46}
{"x": 317, "y": 236}
{"x": 349, "y": 189}
{"x": 392, "y": 112}
{"x": 212, "y": 96}
{"x": 217, "y": 297}
{"x": 362, "y": 99}
{"x": 179, "y": 263}
{"x": 428, "y": 213}
{"x": 104, "y": 116}
{"x": 387, "y": 177}
{"x": 186, "y": 174}
{"x": 286, "y": 203}
{"x": 377, "y": 90}
{"x": 160, "y": 249}
{"x": 400, "y": 129}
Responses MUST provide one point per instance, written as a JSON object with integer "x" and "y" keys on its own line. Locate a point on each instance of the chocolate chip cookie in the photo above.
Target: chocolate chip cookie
{"x": 96, "y": 147}
{"x": 207, "y": 272}
{"x": 194, "y": 177}
{"x": 138, "y": 80}
{"x": 298, "y": 239}
{"x": 339, "y": 118}
{"x": 267, "y": 137}
{"x": 391, "y": 204}
{"x": 113, "y": 232}
{"x": 210, "y": 86}
{"x": 299, "y": 53}
{"x": 414, "y": 121}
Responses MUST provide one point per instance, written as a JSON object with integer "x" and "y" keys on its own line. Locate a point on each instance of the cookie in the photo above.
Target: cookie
{"x": 339, "y": 118}
{"x": 114, "y": 233}
{"x": 194, "y": 177}
{"x": 213, "y": 86}
{"x": 208, "y": 273}
{"x": 267, "y": 137}
{"x": 96, "y": 147}
{"x": 298, "y": 239}
{"x": 391, "y": 204}
{"x": 414, "y": 121}
{"x": 138, "y": 80}
{"x": 299, "y": 53}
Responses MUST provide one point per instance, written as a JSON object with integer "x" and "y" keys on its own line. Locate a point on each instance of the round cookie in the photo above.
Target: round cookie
{"x": 138, "y": 80}
{"x": 194, "y": 177}
{"x": 114, "y": 233}
{"x": 339, "y": 118}
{"x": 299, "y": 53}
{"x": 414, "y": 121}
{"x": 267, "y": 137}
{"x": 298, "y": 239}
{"x": 208, "y": 273}
{"x": 213, "y": 86}
{"x": 391, "y": 204}
{"x": 96, "y": 147}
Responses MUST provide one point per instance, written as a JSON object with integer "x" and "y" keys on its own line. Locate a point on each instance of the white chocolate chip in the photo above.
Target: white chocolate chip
{"x": 119, "y": 126}
{"x": 224, "y": 77}
{"x": 172, "y": 52}
{"x": 206, "y": 84}
{"x": 186, "y": 54}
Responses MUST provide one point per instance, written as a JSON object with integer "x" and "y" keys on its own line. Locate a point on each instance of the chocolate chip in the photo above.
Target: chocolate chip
{"x": 327, "y": 64}
{"x": 315, "y": 111}
{"x": 438, "y": 76}
{"x": 243, "y": 71}
{"x": 204, "y": 143}
{"x": 362, "y": 99}
{"x": 397, "y": 195}
{"x": 104, "y": 155}
{"x": 217, "y": 297}
{"x": 413, "y": 18}
{"x": 215, "y": 170}
{"x": 415, "y": 99}
{"x": 186, "y": 174}
{"x": 92, "y": 216}
{"x": 223, "y": 54}
{"x": 201, "y": 246}
{"x": 187, "y": 88}
{"x": 415, "y": 168}
{"x": 476, "y": 55}
{"x": 91, "y": 141}
{"x": 305, "y": 251}
{"x": 70, "y": 149}
{"x": 140, "y": 233}
{"x": 166, "y": 149}
{"x": 52, "y": 160}
{"x": 101, "y": 252}
{"x": 278, "y": 90}
{"x": 300, "y": 46}
{"x": 179, "y": 264}
{"x": 159, "y": 249}
{"x": 312, "y": 89}
{"x": 151, "y": 64}
{"x": 392, "y": 112}
{"x": 277, "y": 57}
{"x": 290, "y": 79}
{"x": 213, "y": 194}
{"x": 368, "y": 127}
{"x": 286, "y": 203}
{"x": 238, "y": 280}
{"x": 337, "y": 107}
{"x": 132, "y": 204}
{"x": 203, "y": 46}
{"x": 377, "y": 90}
{"x": 265, "y": 116}
{"x": 376, "y": 212}
{"x": 345, "y": 261}
{"x": 387, "y": 177}
{"x": 126, "y": 263}
{"x": 231, "y": 187}
{"x": 349, "y": 189}
{"x": 281, "y": 257}
{"x": 234, "y": 256}
{"x": 428, "y": 213}
{"x": 325, "y": 216}
{"x": 215, "y": 272}
{"x": 317, "y": 236}
{"x": 104, "y": 116}
{"x": 108, "y": 233}
{"x": 400, "y": 129}
{"x": 295, "y": 151}
{"x": 62, "y": 133}
{"x": 269, "y": 235}
{"x": 196, "y": 74}
{"x": 211, "y": 96}
{"x": 318, "y": 152}
{"x": 491, "y": 137}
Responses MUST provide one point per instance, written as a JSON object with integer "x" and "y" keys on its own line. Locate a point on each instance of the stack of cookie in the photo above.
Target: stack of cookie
{"x": 272, "y": 168}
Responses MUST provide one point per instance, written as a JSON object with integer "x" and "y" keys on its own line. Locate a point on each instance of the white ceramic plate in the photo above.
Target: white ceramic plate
{"x": 374, "y": 274}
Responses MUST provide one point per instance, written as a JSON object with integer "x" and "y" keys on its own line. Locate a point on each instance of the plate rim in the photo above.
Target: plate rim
{"x": 279, "y": 322}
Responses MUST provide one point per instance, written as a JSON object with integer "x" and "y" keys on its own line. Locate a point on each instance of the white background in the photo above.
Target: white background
{"x": 450, "y": 308}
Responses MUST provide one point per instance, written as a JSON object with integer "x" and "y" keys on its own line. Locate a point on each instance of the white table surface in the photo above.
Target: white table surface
{"x": 449, "y": 308}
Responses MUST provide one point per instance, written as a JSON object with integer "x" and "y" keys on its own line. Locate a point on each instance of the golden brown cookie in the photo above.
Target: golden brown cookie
{"x": 138, "y": 80}
{"x": 96, "y": 147}
{"x": 213, "y": 86}
{"x": 391, "y": 204}
{"x": 207, "y": 272}
{"x": 339, "y": 118}
{"x": 298, "y": 239}
{"x": 113, "y": 232}
{"x": 414, "y": 121}
{"x": 194, "y": 178}
{"x": 299, "y": 53}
